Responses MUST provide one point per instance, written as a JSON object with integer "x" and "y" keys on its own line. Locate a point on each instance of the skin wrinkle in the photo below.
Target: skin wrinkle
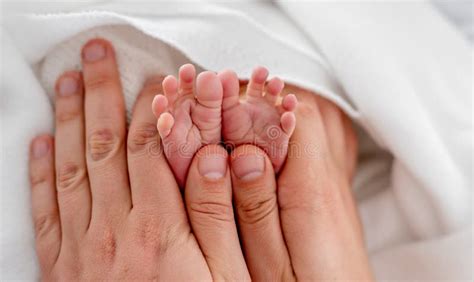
{"x": 70, "y": 176}
{"x": 255, "y": 211}
{"x": 218, "y": 212}
{"x": 68, "y": 115}
{"x": 142, "y": 135}
{"x": 102, "y": 143}
{"x": 37, "y": 179}
{"x": 43, "y": 224}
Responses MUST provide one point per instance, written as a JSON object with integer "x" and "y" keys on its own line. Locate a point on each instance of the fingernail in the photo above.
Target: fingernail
{"x": 94, "y": 52}
{"x": 249, "y": 167}
{"x": 213, "y": 166}
{"x": 67, "y": 86}
{"x": 40, "y": 148}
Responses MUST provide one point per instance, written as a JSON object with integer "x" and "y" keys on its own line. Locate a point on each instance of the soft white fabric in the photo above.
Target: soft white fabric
{"x": 399, "y": 70}
{"x": 461, "y": 13}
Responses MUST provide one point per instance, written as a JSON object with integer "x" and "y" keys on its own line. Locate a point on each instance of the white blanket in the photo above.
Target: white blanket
{"x": 399, "y": 70}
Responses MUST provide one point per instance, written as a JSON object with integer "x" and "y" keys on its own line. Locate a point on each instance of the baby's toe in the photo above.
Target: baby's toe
{"x": 257, "y": 83}
{"x": 289, "y": 102}
{"x": 165, "y": 124}
{"x": 288, "y": 122}
{"x": 209, "y": 90}
{"x": 273, "y": 90}
{"x": 230, "y": 88}
{"x": 159, "y": 105}
{"x": 165, "y": 119}
{"x": 170, "y": 88}
{"x": 187, "y": 73}
{"x": 207, "y": 114}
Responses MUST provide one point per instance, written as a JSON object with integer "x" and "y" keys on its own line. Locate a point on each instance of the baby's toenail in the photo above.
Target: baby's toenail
{"x": 40, "y": 148}
{"x": 93, "y": 52}
{"x": 67, "y": 86}
{"x": 249, "y": 166}
{"x": 213, "y": 166}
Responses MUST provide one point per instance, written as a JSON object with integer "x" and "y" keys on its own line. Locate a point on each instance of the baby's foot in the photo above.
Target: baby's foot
{"x": 258, "y": 119}
{"x": 188, "y": 117}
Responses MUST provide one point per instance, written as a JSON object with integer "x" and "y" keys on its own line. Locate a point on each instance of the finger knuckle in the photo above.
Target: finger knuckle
{"x": 45, "y": 224}
{"x": 99, "y": 82}
{"x": 70, "y": 176}
{"x": 254, "y": 210}
{"x": 38, "y": 179}
{"x": 103, "y": 143}
{"x": 65, "y": 115}
{"x": 212, "y": 212}
{"x": 142, "y": 137}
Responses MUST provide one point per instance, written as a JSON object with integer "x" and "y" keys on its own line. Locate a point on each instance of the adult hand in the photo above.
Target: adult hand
{"x": 106, "y": 205}
{"x": 109, "y": 208}
{"x": 305, "y": 225}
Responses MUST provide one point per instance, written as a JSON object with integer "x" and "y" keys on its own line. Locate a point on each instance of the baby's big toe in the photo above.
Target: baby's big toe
{"x": 209, "y": 90}
{"x": 208, "y": 110}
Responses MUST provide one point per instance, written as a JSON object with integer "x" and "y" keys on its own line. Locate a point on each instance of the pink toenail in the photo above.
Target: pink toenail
{"x": 40, "y": 148}
{"x": 67, "y": 86}
{"x": 94, "y": 52}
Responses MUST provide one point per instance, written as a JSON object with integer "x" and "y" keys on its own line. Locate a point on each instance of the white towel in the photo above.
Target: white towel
{"x": 399, "y": 70}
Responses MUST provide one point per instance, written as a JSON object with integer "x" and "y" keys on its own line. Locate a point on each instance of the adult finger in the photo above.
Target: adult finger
{"x": 44, "y": 205}
{"x": 152, "y": 183}
{"x": 322, "y": 241}
{"x": 331, "y": 117}
{"x": 208, "y": 196}
{"x": 255, "y": 198}
{"x": 74, "y": 197}
{"x": 343, "y": 147}
{"x": 105, "y": 130}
